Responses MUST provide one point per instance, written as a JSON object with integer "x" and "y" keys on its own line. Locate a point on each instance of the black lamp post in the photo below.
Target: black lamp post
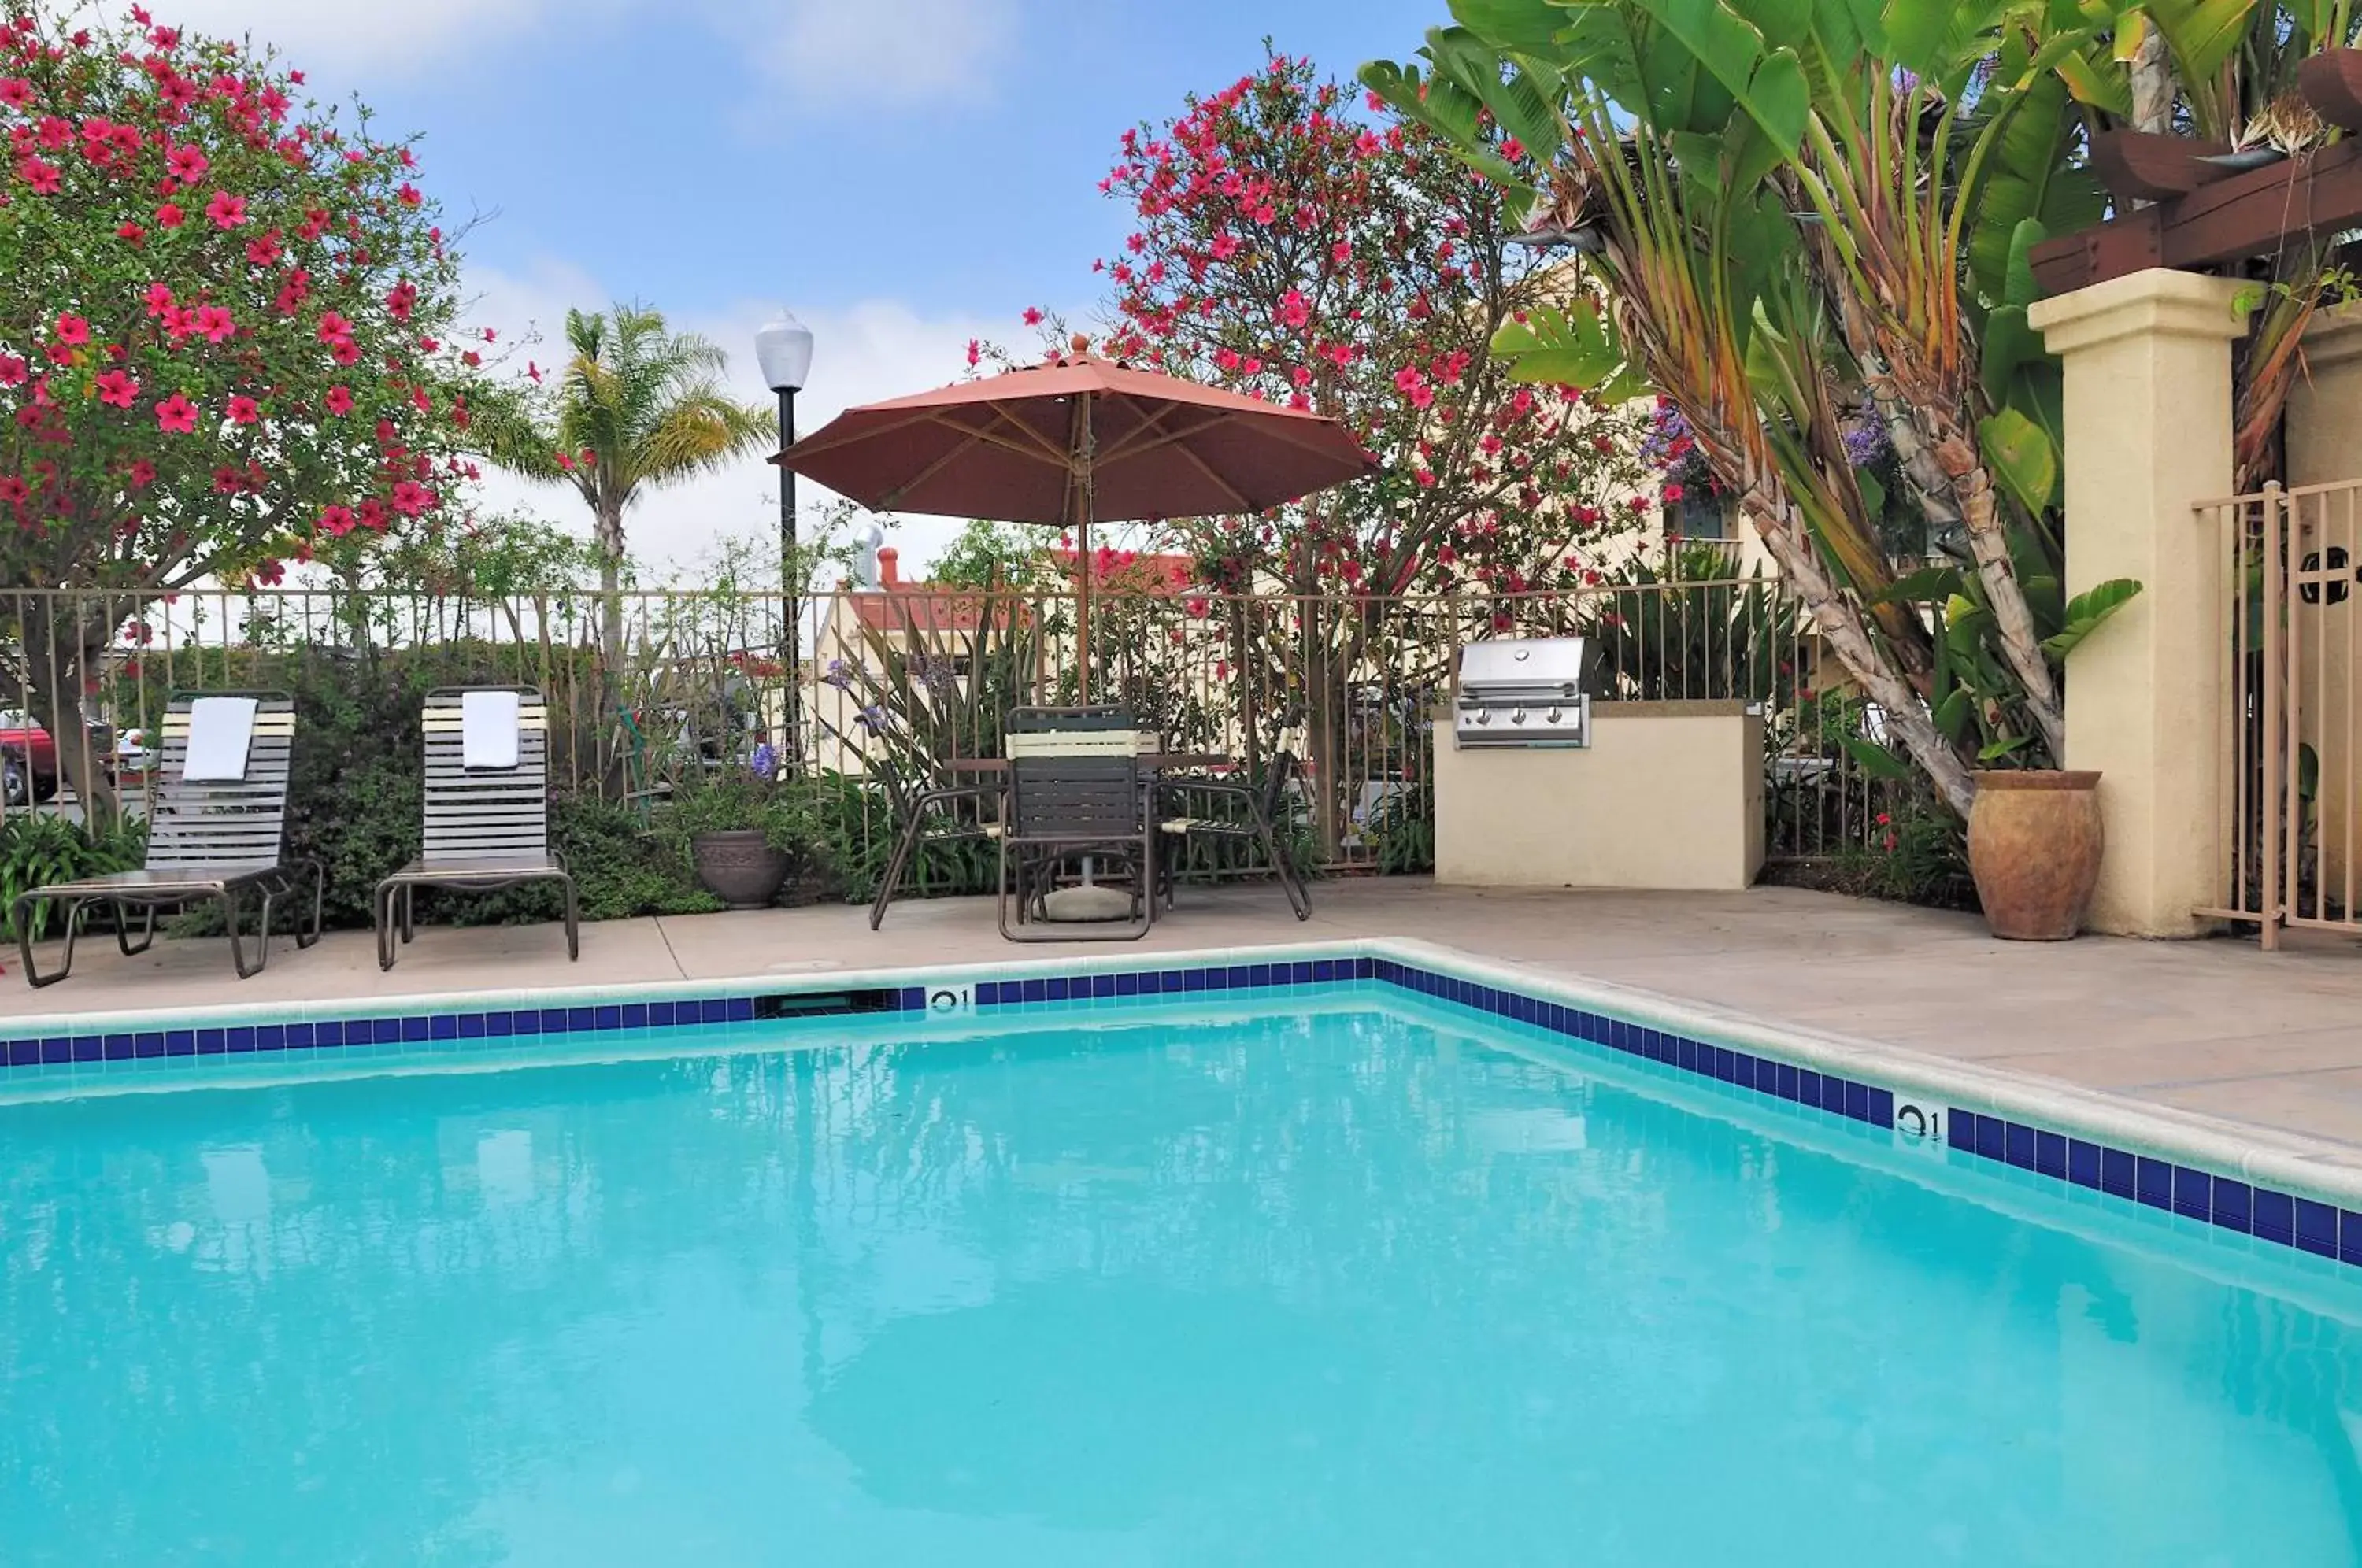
{"x": 783, "y": 348}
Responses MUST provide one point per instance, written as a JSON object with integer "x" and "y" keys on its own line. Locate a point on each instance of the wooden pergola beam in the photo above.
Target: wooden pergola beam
{"x": 2143, "y": 166}
{"x": 2206, "y": 216}
{"x": 2256, "y": 213}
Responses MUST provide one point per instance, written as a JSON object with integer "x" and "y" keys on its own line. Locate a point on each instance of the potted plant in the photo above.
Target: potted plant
{"x": 2035, "y": 844}
{"x": 2035, "y": 837}
{"x": 743, "y": 830}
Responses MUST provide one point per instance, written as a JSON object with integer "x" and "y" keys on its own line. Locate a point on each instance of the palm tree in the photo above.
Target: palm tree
{"x": 637, "y": 404}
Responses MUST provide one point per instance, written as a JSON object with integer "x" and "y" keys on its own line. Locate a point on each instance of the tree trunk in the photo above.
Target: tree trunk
{"x": 1841, "y": 626}
{"x": 1927, "y": 415}
{"x": 614, "y": 770}
{"x": 65, "y": 641}
{"x": 611, "y": 586}
{"x": 1323, "y": 735}
{"x": 2153, "y": 86}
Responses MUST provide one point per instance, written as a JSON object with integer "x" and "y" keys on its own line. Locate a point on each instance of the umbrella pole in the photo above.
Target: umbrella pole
{"x": 1086, "y": 459}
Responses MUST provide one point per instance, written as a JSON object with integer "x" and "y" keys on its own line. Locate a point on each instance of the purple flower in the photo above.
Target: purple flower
{"x": 1866, "y": 443}
{"x": 765, "y": 762}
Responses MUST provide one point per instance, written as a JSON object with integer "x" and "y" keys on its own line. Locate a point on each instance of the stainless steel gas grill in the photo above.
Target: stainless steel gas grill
{"x": 1533, "y": 691}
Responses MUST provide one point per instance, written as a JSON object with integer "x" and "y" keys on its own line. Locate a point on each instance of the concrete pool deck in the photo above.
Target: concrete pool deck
{"x": 2217, "y": 1028}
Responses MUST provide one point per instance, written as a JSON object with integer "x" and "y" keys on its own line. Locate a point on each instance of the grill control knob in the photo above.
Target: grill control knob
{"x": 1519, "y": 717}
{"x": 1483, "y": 716}
{"x": 1551, "y": 717}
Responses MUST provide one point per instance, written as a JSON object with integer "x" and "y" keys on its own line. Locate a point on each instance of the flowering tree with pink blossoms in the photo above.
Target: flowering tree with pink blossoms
{"x": 1290, "y": 247}
{"x": 1291, "y": 243}
{"x": 227, "y": 335}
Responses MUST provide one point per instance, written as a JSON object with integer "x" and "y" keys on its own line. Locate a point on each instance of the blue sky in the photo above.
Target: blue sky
{"x": 906, "y": 174}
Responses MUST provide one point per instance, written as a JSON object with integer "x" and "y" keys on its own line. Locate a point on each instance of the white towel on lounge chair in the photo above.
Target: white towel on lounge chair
{"x": 221, "y": 732}
{"x": 488, "y": 731}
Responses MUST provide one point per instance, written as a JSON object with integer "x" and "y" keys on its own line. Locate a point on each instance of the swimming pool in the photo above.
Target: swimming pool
{"x": 1333, "y": 1273}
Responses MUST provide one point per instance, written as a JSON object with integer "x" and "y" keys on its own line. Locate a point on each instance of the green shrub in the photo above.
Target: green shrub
{"x": 1400, "y": 830}
{"x": 853, "y": 825}
{"x": 1917, "y": 857}
{"x": 38, "y": 849}
{"x": 620, "y": 872}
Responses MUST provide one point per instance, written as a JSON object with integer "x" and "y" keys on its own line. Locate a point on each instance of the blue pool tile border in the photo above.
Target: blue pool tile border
{"x": 2303, "y": 1224}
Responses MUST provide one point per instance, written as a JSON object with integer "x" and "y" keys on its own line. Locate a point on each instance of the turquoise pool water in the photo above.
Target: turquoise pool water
{"x": 1348, "y": 1287}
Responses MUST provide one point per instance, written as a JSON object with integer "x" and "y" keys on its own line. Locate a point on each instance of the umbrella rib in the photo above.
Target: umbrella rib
{"x": 1283, "y": 430}
{"x": 1043, "y": 446}
{"x": 822, "y": 441}
{"x": 1219, "y": 483}
{"x": 893, "y": 497}
{"x": 971, "y": 439}
{"x": 1147, "y": 437}
{"x": 1132, "y": 447}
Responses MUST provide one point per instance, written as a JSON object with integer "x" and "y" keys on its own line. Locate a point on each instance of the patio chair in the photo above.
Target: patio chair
{"x": 949, "y": 815}
{"x": 217, "y": 834}
{"x": 487, "y": 809}
{"x": 1252, "y": 821}
{"x": 1075, "y": 792}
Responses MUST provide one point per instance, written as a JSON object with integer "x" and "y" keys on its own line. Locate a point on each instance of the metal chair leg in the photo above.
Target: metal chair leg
{"x": 319, "y": 901}
{"x": 24, "y": 912}
{"x": 381, "y": 924}
{"x": 123, "y": 928}
{"x": 895, "y": 864}
{"x": 1297, "y": 899}
{"x": 573, "y": 924}
{"x": 236, "y": 937}
{"x": 262, "y": 936}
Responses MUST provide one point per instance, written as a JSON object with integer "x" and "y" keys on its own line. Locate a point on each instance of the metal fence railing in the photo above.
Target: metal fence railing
{"x": 651, "y": 690}
{"x": 2288, "y": 833}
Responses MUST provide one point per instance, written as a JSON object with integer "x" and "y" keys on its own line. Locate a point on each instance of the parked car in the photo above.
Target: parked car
{"x": 28, "y": 756}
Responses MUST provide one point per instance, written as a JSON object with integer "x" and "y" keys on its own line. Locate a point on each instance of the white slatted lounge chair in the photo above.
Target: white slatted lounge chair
{"x": 486, "y": 808}
{"x": 219, "y": 832}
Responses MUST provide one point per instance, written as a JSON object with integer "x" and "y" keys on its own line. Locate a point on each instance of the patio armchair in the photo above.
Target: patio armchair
{"x": 1252, "y": 817}
{"x": 948, "y": 814}
{"x": 217, "y": 834}
{"x": 487, "y": 809}
{"x": 1075, "y": 791}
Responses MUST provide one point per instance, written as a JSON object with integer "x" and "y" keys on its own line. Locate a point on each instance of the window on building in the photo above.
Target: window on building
{"x": 1698, "y": 515}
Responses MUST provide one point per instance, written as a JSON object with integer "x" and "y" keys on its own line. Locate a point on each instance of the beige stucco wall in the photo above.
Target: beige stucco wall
{"x": 2148, "y": 436}
{"x": 1668, "y": 795}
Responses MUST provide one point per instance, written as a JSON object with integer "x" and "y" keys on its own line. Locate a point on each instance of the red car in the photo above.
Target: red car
{"x": 28, "y": 756}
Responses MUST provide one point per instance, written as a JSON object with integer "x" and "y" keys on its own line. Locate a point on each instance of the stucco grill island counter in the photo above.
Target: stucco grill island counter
{"x": 1661, "y": 795}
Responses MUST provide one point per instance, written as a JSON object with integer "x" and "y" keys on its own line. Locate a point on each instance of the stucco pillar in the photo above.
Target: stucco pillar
{"x": 2147, "y": 434}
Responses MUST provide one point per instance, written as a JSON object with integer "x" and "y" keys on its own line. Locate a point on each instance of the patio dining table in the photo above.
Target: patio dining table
{"x": 1153, "y": 765}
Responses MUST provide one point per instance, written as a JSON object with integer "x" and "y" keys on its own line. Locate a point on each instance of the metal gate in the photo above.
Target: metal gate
{"x": 2290, "y": 753}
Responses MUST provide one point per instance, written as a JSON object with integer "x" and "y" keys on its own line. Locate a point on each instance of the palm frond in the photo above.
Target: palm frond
{"x": 701, "y": 431}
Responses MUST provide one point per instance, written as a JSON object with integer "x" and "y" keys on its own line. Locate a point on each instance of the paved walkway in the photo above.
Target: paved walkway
{"x": 2216, "y": 1027}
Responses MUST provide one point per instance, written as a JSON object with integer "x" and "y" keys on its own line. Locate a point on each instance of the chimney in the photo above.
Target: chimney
{"x": 889, "y": 562}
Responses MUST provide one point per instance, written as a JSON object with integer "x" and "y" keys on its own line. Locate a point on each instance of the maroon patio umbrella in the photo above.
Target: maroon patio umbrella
{"x": 1076, "y": 440}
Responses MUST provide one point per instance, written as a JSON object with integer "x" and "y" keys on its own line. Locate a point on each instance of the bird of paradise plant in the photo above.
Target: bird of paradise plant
{"x": 1794, "y": 208}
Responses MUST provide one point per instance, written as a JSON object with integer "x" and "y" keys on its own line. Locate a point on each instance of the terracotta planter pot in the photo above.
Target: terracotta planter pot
{"x": 2034, "y": 848}
{"x": 739, "y": 868}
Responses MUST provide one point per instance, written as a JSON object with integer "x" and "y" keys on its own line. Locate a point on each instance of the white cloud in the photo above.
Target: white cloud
{"x": 365, "y": 35}
{"x": 877, "y": 350}
{"x": 824, "y": 52}
{"x": 900, "y": 51}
